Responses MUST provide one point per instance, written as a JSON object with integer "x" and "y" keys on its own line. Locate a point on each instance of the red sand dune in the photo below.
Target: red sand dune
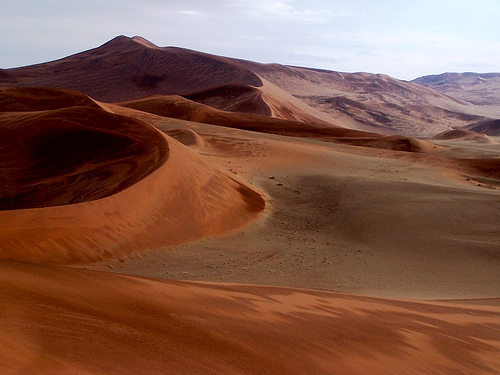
{"x": 73, "y": 155}
{"x": 184, "y": 200}
{"x": 180, "y": 108}
{"x": 489, "y": 168}
{"x": 108, "y": 185}
{"x": 66, "y": 321}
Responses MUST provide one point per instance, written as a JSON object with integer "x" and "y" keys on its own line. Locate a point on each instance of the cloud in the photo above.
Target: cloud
{"x": 291, "y": 11}
{"x": 403, "y": 39}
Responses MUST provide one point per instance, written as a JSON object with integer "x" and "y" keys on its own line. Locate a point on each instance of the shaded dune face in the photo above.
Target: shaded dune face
{"x": 489, "y": 168}
{"x": 73, "y": 155}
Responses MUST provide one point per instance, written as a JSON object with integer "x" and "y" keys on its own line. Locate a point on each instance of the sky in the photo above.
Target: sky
{"x": 404, "y": 39}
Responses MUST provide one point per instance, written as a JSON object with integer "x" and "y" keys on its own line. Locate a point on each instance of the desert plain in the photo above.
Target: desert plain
{"x": 165, "y": 211}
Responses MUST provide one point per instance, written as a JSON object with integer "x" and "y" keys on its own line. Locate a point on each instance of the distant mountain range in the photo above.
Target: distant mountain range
{"x": 475, "y": 88}
{"x": 126, "y": 68}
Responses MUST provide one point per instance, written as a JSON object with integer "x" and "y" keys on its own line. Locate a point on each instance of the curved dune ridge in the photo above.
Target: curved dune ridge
{"x": 135, "y": 187}
{"x": 73, "y": 155}
{"x": 26, "y": 99}
{"x": 396, "y": 143}
{"x": 175, "y": 106}
{"x": 178, "y": 107}
{"x": 187, "y": 137}
{"x": 65, "y": 321}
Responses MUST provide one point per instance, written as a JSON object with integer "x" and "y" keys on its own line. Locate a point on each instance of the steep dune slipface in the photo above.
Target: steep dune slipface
{"x": 81, "y": 184}
{"x": 73, "y": 155}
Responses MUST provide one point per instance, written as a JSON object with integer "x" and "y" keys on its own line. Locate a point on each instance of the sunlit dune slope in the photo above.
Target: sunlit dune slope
{"x": 81, "y": 184}
{"x": 62, "y": 321}
{"x": 175, "y": 106}
{"x": 181, "y": 108}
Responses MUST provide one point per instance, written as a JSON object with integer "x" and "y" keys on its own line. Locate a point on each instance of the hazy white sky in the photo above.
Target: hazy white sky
{"x": 405, "y": 39}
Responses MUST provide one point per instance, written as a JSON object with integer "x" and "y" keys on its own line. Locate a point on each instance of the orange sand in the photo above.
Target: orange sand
{"x": 64, "y": 321}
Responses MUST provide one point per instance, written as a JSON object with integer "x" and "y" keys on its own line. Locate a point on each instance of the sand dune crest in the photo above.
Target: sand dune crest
{"x": 88, "y": 185}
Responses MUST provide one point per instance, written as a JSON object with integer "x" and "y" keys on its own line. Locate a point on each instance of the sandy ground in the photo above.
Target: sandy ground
{"x": 66, "y": 321}
{"x": 346, "y": 219}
